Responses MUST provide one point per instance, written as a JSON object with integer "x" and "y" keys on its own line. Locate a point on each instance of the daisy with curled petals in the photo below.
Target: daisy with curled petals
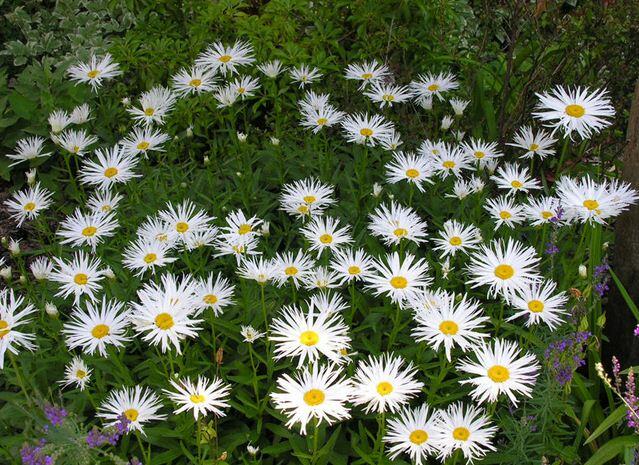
{"x": 427, "y": 86}
{"x": 320, "y": 118}
{"x": 399, "y": 280}
{"x": 250, "y": 334}
{"x": 58, "y": 121}
{"x": 103, "y": 201}
{"x": 481, "y": 151}
{"x": 313, "y": 101}
{"x": 321, "y": 278}
{"x": 431, "y": 149}
{"x": 81, "y": 276}
{"x": 215, "y": 292}
{"x": 456, "y": 237}
{"x": 100, "y": 325}
{"x": 13, "y": 314}
{"x": 412, "y": 432}
{"x": 316, "y": 392}
{"x": 271, "y": 69}
{"x": 195, "y": 80}
{"x": 466, "y": 428}
{"x": 534, "y": 144}
{"x": 27, "y": 204}
{"x": 514, "y": 179}
{"x": 324, "y": 233}
{"x": 451, "y": 323}
{"x": 155, "y": 229}
{"x": 308, "y": 335}
{"x": 306, "y": 197}
{"x": 164, "y": 315}
{"x": 200, "y": 397}
{"x": 461, "y": 189}
{"x": 76, "y": 142}
{"x": 203, "y": 237}
{"x": 225, "y": 59}
{"x": 155, "y": 105}
{"x": 41, "y": 268}
{"x": 352, "y": 265}
{"x": 185, "y": 219}
{"x": 81, "y": 229}
{"x": 506, "y": 268}
{"x": 143, "y": 255}
{"x": 415, "y": 169}
{"x": 292, "y": 267}
{"x": 586, "y": 200}
{"x": 28, "y": 149}
{"x": 367, "y": 72}
{"x": 505, "y": 211}
{"x": 542, "y": 210}
{"x": 138, "y": 404}
{"x": 257, "y": 269}
{"x": 112, "y": 167}
{"x": 327, "y": 302}
{"x": 142, "y": 141}
{"x": 304, "y": 75}
{"x": 81, "y": 114}
{"x": 428, "y": 299}
{"x": 238, "y": 224}
{"x": 394, "y": 223}
{"x": 540, "y": 304}
{"x": 500, "y": 369}
{"x": 392, "y": 142}
{"x": 450, "y": 160}
{"x": 388, "y": 94}
{"x": 245, "y": 86}
{"x": 225, "y": 96}
{"x": 575, "y": 110}
{"x": 458, "y": 106}
{"x": 384, "y": 383}
{"x": 76, "y": 372}
{"x": 361, "y": 128}
{"x": 95, "y": 71}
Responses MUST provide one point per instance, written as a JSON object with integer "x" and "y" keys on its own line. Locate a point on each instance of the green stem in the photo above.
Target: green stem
{"x": 21, "y": 383}
{"x": 257, "y": 392}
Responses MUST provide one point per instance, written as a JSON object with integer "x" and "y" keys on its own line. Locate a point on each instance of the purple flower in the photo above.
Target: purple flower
{"x": 55, "y": 415}
{"x": 110, "y": 435}
{"x": 551, "y": 249}
{"x": 636, "y": 331}
{"x": 566, "y": 355}
{"x": 33, "y": 455}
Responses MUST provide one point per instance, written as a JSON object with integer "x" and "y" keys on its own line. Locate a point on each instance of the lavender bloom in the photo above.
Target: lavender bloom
{"x": 566, "y": 355}
{"x": 33, "y": 455}
{"x": 632, "y": 401}
{"x": 636, "y": 331}
{"x": 551, "y": 249}
{"x": 111, "y": 435}
{"x": 55, "y": 415}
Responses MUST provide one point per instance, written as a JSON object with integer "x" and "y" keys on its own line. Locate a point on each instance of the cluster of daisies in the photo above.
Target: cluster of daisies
{"x": 170, "y": 310}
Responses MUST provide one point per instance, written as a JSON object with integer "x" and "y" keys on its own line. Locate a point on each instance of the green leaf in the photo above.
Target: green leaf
{"x": 611, "y": 449}
{"x": 610, "y": 421}
{"x": 626, "y": 297}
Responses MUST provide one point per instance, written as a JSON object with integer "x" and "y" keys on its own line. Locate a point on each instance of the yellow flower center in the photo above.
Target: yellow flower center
{"x": 89, "y": 231}
{"x": 401, "y": 232}
{"x": 80, "y": 374}
{"x": 504, "y": 215}
{"x": 150, "y": 258}
{"x": 100, "y": 331}
{"x": 536, "y": 306}
{"x": 498, "y": 373}
{"x": 225, "y": 58}
{"x": 354, "y": 269}
{"x": 244, "y": 229}
{"x": 310, "y": 198}
{"x": 314, "y": 397}
{"x": 80, "y": 279}
{"x": 3, "y": 328}
{"x": 504, "y": 271}
{"x": 93, "y": 74}
{"x": 131, "y": 414}
{"x": 448, "y": 327}
{"x": 533, "y": 147}
{"x": 433, "y": 87}
{"x": 197, "y": 398}
{"x": 418, "y": 437}
{"x": 367, "y": 76}
{"x": 106, "y": 208}
{"x": 576, "y": 111}
{"x": 309, "y": 338}
{"x": 412, "y": 173}
{"x": 110, "y": 172}
{"x": 164, "y": 321}
{"x": 143, "y": 145}
{"x": 149, "y": 111}
{"x": 210, "y": 299}
{"x": 388, "y": 98}
{"x": 461, "y": 434}
{"x": 448, "y": 164}
{"x": 479, "y": 154}
{"x": 322, "y": 121}
{"x": 303, "y": 209}
{"x": 290, "y": 271}
{"x": 182, "y": 227}
{"x": 366, "y": 132}
{"x": 241, "y": 90}
{"x": 384, "y": 388}
{"x": 326, "y": 239}
{"x": 591, "y": 204}
{"x": 195, "y": 82}
{"x": 547, "y": 215}
{"x": 455, "y": 241}
{"x": 76, "y": 149}
{"x": 29, "y": 206}
{"x": 517, "y": 184}
{"x": 399, "y": 282}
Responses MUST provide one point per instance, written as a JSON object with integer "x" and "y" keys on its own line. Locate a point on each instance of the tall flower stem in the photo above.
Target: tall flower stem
{"x": 21, "y": 383}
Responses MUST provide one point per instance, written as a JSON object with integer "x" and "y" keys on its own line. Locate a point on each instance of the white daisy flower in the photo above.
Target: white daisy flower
{"x": 313, "y": 101}
{"x": 325, "y": 233}
{"x": 292, "y": 267}
{"x": 327, "y": 302}
{"x": 257, "y": 269}
{"x": 225, "y": 97}
{"x": 361, "y": 128}
{"x": 321, "y": 278}
{"x": 239, "y": 246}
{"x": 412, "y": 433}
{"x": 394, "y": 223}
{"x": 505, "y": 211}
{"x": 481, "y": 151}
{"x": 41, "y": 268}
{"x": 245, "y": 86}
{"x": 143, "y": 255}
{"x": 352, "y": 265}
{"x": 156, "y": 230}
{"x": 540, "y": 304}
{"x": 103, "y": 201}
{"x": 514, "y": 179}
{"x": 79, "y": 229}
{"x": 215, "y": 292}
{"x": 238, "y": 224}
{"x": 81, "y": 114}
{"x": 226, "y": 59}
{"x": 539, "y": 144}
{"x": 384, "y": 383}
{"x": 458, "y": 106}
{"x": 139, "y": 405}
{"x": 94, "y": 71}
{"x": 100, "y": 325}
{"x": 427, "y": 86}
{"x": 456, "y": 237}
{"x": 304, "y": 75}
{"x": 306, "y": 197}
{"x": 576, "y": 110}
{"x": 431, "y": 149}
{"x": 80, "y": 276}
{"x": 200, "y": 397}
{"x": 315, "y": 392}
{"x": 320, "y": 118}
{"x": 250, "y": 334}
{"x": 415, "y": 169}
{"x": 367, "y": 72}
{"x": 542, "y": 210}
{"x": 58, "y": 121}
{"x": 194, "y": 80}
{"x": 155, "y": 105}
{"x": 392, "y": 142}
{"x": 112, "y": 167}
{"x": 388, "y": 94}
{"x": 27, "y": 204}
{"x": 398, "y": 279}
{"x": 144, "y": 140}
{"x": 28, "y": 148}
{"x": 76, "y": 142}
{"x": 185, "y": 219}
{"x": 271, "y": 69}
{"x": 76, "y": 372}
{"x": 13, "y": 314}
{"x": 450, "y": 160}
